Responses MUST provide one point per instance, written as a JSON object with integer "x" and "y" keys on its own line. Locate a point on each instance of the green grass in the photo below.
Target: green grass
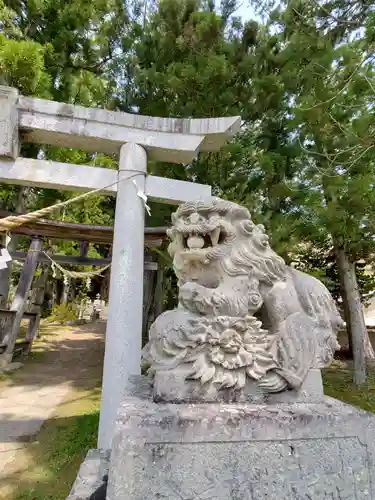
{"x": 54, "y": 459}
{"x": 338, "y": 384}
{"x": 5, "y": 376}
{"x": 61, "y": 462}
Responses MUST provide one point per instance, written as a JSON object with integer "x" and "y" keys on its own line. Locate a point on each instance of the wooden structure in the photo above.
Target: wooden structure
{"x": 81, "y": 232}
{"x": 10, "y": 344}
{"x": 21, "y": 346}
{"x": 18, "y": 306}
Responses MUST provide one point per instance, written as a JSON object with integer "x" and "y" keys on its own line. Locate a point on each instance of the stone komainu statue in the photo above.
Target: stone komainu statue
{"x": 246, "y": 323}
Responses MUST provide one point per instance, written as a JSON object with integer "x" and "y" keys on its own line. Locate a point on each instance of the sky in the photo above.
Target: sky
{"x": 245, "y": 11}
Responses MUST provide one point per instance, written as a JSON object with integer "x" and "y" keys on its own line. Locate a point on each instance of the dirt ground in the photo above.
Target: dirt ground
{"x": 60, "y": 380}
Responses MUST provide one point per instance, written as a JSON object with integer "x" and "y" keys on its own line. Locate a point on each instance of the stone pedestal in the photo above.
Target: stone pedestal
{"x": 242, "y": 452}
{"x": 91, "y": 482}
{"x": 239, "y": 451}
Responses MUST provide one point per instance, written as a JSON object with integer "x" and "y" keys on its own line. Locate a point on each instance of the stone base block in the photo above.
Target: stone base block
{"x": 91, "y": 482}
{"x": 242, "y": 451}
{"x": 171, "y": 386}
{"x": 11, "y": 367}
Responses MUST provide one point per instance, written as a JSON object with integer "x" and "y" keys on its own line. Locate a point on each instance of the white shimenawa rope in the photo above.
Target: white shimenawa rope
{"x": 55, "y": 265}
{"x": 76, "y": 274}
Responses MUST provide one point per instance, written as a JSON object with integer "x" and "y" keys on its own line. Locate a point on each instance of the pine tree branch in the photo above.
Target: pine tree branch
{"x": 371, "y": 85}
{"x": 338, "y": 20}
{"x": 359, "y": 157}
{"x": 339, "y": 92}
{"x": 348, "y": 131}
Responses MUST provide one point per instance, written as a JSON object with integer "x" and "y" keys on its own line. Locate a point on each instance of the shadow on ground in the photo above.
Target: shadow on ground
{"x": 63, "y": 354}
{"x": 52, "y": 461}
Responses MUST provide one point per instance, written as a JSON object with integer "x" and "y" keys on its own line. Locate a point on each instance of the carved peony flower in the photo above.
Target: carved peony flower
{"x": 229, "y": 350}
{"x": 255, "y": 298}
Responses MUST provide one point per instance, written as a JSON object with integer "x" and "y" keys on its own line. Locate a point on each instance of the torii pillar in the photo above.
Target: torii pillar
{"x": 135, "y": 139}
{"x": 124, "y": 325}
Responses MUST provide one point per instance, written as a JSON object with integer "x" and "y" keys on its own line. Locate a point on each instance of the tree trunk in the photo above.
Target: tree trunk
{"x": 345, "y": 308}
{"x": 6, "y": 274}
{"x": 72, "y": 290}
{"x": 104, "y": 288}
{"x": 54, "y": 294}
{"x": 84, "y": 249}
{"x": 104, "y": 285}
{"x": 355, "y": 320}
{"x": 369, "y": 350}
{"x": 4, "y": 287}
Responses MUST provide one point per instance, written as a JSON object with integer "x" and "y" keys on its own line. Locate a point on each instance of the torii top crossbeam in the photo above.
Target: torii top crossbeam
{"x": 176, "y": 140}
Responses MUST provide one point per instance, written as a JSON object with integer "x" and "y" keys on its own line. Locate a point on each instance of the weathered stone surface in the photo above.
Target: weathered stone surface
{"x": 311, "y": 391}
{"x": 91, "y": 482}
{"x": 8, "y": 122}
{"x": 56, "y": 175}
{"x": 12, "y": 367}
{"x": 246, "y": 324}
{"x": 91, "y": 129}
{"x": 320, "y": 451}
{"x": 123, "y": 340}
{"x": 171, "y": 385}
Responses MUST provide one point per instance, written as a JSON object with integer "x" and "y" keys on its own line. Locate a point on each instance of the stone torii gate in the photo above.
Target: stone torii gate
{"x": 135, "y": 139}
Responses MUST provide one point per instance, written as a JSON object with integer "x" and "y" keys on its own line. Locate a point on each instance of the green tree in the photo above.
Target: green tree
{"x": 328, "y": 81}
{"x": 82, "y": 38}
{"x": 190, "y": 60}
{"x": 60, "y": 50}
